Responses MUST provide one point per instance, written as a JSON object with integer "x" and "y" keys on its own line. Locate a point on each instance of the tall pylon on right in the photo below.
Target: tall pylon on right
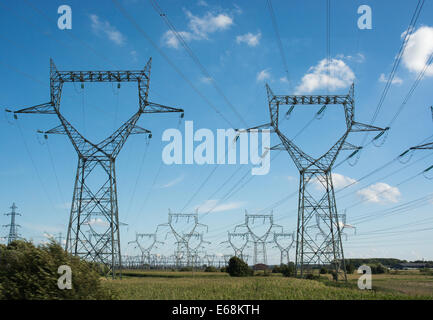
{"x": 314, "y": 204}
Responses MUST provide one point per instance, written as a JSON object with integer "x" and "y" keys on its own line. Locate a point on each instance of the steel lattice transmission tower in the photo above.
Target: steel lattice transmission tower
{"x": 13, "y": 226}
{"x": 284, "y": 246}
{"x": 329, "y": 249}
{"x": 259, "y": 240}
{"x": 97, "y": 200}
{"x": 185, "y": 252}
{"x": 146, "y": 250}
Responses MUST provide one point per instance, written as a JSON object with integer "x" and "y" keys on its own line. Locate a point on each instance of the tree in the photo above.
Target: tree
{"x": 350, "y": 268}
{"x": 30, "y": 272}
{"x": 288, "y": 270}
{"x": 238, "y": 268}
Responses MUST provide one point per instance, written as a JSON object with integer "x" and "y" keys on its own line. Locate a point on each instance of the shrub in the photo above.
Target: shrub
{"x": 223, "y": 269}
{"x": 210, "y": 269}
{"x": 238, "y": 268}
{"x": 323, "y": 270}
{"x": 30, "y": 272}
{"x": 350, "y": 268}
{"x": 288, "y": 270}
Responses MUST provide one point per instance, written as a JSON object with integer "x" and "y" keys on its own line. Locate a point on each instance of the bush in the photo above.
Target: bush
{"x": 185, "y": 269}
{"x": 288, "y": 270}
{"x": 29, "y": 272}
{"x": 223, "y": 269}
{"x": 210, "y": 269}
{"x": 238, "y": 268}
{"x": 350, "y": 268}
{"x": 378, "y": 268}
{"x": 323, "y": 270}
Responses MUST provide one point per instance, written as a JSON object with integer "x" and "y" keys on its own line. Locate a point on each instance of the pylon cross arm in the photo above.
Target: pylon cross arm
{"x": 426, "y": 146}
{"x": 152, "y": 107}
{"x": 44, "y": 108}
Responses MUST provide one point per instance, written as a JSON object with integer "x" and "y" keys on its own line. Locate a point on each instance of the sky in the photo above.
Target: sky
{"x": 237, "y": 52}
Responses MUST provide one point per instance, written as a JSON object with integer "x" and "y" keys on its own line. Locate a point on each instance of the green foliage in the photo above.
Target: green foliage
{"x": 210, "y": 269}
{"x": 30, "y": 272}
{"x": 185, "y": 269}
{"x": 223, "y": 269}
{"x": 238, "y": 268}
{"x": 323, "y": 270}
{"x": 350, "y": 268}
{"x": 378, "y": 268}
{"x": 288, "y": 270}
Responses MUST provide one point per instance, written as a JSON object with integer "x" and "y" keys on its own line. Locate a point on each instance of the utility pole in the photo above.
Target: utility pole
{"x": 13, "y": 227}
{"x": 94, "y": 201}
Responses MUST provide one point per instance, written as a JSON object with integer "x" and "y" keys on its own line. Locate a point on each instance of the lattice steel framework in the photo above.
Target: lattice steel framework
{"x": 238, "y": 248}
{"x": 94, "y": 203}
{"x": 13, "y": 226}
{"x": 313, "y": 173}
{"x": 283, "y": 246}
{"x": 259, "y": 241}
{"x": 185, "y": 253}
{"x": 146, "y": 250}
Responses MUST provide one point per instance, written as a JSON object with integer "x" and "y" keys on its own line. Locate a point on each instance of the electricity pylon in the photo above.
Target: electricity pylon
{"x": 259, "y": 241}
{"x": 146, "y": 251}
{"x": 238, "y": 247}
{"x": 13, "y": 226}
{"x": 96, "y": 203}
{"x": 284, "y": 246}
{"x": 312, "y": 201}
{"x": 184, "y": 250}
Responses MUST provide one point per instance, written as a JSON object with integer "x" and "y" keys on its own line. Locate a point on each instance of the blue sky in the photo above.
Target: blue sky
{"x": 236, "y": 43}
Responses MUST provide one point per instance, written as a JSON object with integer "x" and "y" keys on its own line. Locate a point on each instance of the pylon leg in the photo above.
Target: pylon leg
{"x": 93, "y": 231}
{"x": 318, "y": 240}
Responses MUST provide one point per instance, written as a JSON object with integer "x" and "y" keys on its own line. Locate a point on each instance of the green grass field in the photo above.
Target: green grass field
{"x": 161, "y": 285}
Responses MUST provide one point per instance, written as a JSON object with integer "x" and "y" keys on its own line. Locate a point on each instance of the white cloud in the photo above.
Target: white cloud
{"x": 338, "y": 180}
{"x": 396, "y": 79}
{"x": 206, "y": 79}
{"x": 105, "y": 28}
{"x": 97, "y": 222}
{"x": 340, "y": 76}
{"x": 202, "y": 3}
{"x": 250, "y": 39}
{"x": 212, "y": 204}
{"x": 358, "y": 58}
{"x": 380, "y": 193}
{"x": 134, "y": 55}
{"x": 284, "y": 80}
{"x": 418, "y": 50}
{"x": 199, "y": 28}
{"x": 173, "y": 182}
{"x": 263, "y": 75}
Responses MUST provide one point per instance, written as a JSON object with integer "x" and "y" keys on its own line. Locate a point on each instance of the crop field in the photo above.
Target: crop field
{"x": 156, "y": 285}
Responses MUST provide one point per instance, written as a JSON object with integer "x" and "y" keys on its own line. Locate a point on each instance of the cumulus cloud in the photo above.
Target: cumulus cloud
{"x": 338, "y": 180}
{"x": 396, "y": 79}
{"x": 105, "y": 28}
{"x": 380, "y": 193}
{"x": 212, "y": 204}
{"x": 250, "y": 39}
{"x": 340, "y": 76}
{"x": 418, "y": 50}
{"x": 263, "y": 75}
{"x": 199, "y": 28}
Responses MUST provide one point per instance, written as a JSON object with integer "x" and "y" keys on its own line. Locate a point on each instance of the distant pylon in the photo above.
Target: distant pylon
{"x": 13, "y": 227}
{"x": 94, "y": 203}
